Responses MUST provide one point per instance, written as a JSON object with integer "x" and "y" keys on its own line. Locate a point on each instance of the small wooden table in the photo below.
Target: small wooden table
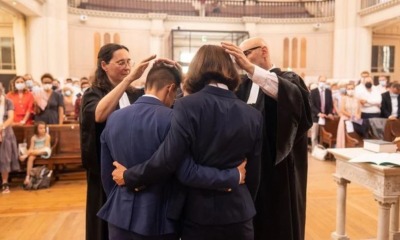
{"x": 384, "y": 182}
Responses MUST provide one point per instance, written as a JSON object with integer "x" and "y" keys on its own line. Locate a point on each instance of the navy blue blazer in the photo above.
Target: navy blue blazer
{"x": 131, "y": 136}
{"x": 218, "y": 130}
{"x": 386, "y": 105}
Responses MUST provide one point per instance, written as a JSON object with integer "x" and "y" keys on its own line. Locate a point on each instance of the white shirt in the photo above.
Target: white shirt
{"x": 395, "y": 105}
{"x": 264, "y": 79}
{"x": 373, "y": 98}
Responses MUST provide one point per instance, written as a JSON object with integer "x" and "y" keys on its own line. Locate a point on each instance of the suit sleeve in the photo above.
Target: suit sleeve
{"x": 106, "y": 164}
{"x": 253, "y": 166}
{"x": 198, "y": 176}
{"x": 168, "y": 156}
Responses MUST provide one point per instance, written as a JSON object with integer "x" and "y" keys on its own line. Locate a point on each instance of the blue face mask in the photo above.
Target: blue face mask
{"x": 342, "y": 90}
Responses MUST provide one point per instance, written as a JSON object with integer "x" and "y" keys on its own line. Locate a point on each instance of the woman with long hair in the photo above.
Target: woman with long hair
{"x": 110, "y": 91}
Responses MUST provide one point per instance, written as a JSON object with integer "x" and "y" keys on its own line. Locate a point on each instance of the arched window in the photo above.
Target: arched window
{"x": 303, "y": 53}
{"x": 117, "y": 38}
{"x": 107, "y": 38}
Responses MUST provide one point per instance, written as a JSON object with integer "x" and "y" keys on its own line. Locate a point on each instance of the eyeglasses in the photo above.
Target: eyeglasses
{"x": 123, "y": 63}
{"x": 248, "y": 51}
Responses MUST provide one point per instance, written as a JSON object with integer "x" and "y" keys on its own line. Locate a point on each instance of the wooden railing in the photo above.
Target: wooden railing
{"x": 227, "y": 8}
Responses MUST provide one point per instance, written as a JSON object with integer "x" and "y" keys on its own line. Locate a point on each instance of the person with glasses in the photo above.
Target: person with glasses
{"x": 111, "y": 90}
{"x": 283, "y": 99}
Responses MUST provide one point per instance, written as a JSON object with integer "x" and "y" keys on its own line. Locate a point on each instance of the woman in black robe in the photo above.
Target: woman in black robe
{"x": 111, "y": 90}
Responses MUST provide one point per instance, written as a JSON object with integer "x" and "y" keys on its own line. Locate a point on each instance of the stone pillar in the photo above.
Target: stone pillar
{"x": 394, "y": 221}
{"x": 340, "y": 233}
{"x": 384, "y": 215}
{"x": 345, "y": 39}
{"x": 19, "y": 44}
{"x": 47, "y": 38}
{"x": 250, "y": 25}
{"x": 157, "y": 32}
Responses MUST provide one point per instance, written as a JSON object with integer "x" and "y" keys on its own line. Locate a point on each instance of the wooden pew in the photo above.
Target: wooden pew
{"x": 328, "y": 132}
{"x": 65, "y": 145}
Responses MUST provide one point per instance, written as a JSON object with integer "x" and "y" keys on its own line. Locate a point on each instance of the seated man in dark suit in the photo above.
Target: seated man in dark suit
{"x": 390, "y": 102}
{"x": 132, "y": 135}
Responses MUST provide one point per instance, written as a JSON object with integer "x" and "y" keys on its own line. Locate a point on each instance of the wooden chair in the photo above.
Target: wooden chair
{"x": 328, "y": 132}
{"x": 392, "y": 130}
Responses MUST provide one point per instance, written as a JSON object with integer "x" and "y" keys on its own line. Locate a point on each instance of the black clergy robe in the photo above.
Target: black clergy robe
{"x": 90, "y": 133}
{"x": 281, "y": 198}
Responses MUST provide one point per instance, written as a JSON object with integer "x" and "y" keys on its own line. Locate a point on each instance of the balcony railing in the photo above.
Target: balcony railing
{"x": 370, "y": 3}
{"x": 231, "y": 8}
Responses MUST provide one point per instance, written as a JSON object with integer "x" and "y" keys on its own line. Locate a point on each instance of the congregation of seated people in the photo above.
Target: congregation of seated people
{"x": 359, "y": 109}
{"x": 32, "y": 104}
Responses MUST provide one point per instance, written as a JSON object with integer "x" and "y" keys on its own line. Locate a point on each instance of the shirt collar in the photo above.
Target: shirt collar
{"x": 219, "y": 85}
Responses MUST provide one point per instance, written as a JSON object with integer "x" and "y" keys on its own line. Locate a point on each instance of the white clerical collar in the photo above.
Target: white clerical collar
{"x": 151, "y": 95}
{"x": 219, "y": 85}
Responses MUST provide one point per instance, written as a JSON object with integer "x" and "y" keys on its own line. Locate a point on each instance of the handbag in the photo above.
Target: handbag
{"x": 319, "y": 152}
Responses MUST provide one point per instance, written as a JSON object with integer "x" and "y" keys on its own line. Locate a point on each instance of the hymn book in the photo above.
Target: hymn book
{"x": 380, "y": 146}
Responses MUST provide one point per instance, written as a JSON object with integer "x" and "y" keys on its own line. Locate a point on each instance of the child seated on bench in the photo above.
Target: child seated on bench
{"x": 39, "y": 146}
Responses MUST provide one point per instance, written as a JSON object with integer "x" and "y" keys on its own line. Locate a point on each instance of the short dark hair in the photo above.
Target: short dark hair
{"x": 37, "y": 123}
{"x": 161, "y": 75}
{"x": 47, "y": 75}
{"x": 395, "y": 84}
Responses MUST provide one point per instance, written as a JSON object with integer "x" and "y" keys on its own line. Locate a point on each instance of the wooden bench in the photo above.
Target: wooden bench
{"x": 65, "y": 145}
{"x": 328, "y": 132}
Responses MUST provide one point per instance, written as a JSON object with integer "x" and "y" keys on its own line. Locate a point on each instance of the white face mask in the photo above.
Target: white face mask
{"x": 350, "y": 92}
{"x": 382, "y": 83}
{"x": 84, "y": 89}
{"x": 67, "y": 93}
{"x": 47, "y": 86}
{"x": 29, "y": 83}
{"x": 20, "y": 86}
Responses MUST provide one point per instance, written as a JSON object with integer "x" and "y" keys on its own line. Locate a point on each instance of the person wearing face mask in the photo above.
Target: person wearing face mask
{"x": 69, "y": 103}
{"x": 370, "y": 99}
{"x": 321, "y": 108}
{"x": 49, "y": 104}
{"x": 350, "y": 110}
{"x": 383, "y": 84}
{"x": 23, "y": 101}
{"x": 28, "y": 81}
{"x": 390, "y": 102}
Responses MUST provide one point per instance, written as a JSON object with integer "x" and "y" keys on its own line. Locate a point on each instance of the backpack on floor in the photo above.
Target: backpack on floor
{"x": 40, "y": 177}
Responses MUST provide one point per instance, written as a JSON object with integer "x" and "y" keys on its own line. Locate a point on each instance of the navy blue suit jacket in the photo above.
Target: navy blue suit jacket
{"x": 218, "y": 130}
{"x": 131, "y": 136}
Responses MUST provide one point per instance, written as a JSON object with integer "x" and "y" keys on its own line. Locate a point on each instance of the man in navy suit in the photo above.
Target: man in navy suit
{"x": 390, "y": 102}
{"x": 218, "y": 130}
{"x": 321, "y": 107}
{"x": 132, "y": 135}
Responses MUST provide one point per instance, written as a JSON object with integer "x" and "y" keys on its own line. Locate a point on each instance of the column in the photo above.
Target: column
{"x": 340, "y": 233}
{"x": 251, "y": 25}
{"x": 19, "y": 44}
{"x": 384, "y": 215}
{"x": 157, "y": 32}
{"x": 345, "y": 38}
{"x": 47, "y": 41}
{"x": 394, "y": 221}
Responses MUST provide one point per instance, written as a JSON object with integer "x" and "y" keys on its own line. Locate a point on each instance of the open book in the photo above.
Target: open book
{"x": 378, "y": 158}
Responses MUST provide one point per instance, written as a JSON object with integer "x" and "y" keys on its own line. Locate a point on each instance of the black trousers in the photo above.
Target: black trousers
{"x": 116, "y": 233}
{"x": 236, "y": 231}
{"x": 96, "y": 228}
